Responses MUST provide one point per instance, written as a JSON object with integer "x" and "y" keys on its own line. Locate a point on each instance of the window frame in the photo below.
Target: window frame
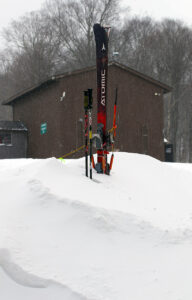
{"x": 3, "y": 135}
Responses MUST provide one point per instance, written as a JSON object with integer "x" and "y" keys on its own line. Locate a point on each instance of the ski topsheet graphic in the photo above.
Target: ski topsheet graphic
{"x": 101, "y": 39}
{"x": 104, "y": 138}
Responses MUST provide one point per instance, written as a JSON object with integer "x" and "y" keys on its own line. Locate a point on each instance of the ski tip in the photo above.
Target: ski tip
{"x": 96, "y": 26}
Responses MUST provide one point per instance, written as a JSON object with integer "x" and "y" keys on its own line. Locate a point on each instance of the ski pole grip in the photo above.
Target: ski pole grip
{"x": 90, "y": 96}
{"x": 86, "y": 100}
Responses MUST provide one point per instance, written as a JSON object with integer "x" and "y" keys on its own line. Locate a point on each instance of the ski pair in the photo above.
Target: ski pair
{"x": 106, "y": 138}
{"x": 103, "y": 139}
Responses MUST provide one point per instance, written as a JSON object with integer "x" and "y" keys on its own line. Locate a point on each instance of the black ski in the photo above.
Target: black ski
{"x": 101, "y": 39}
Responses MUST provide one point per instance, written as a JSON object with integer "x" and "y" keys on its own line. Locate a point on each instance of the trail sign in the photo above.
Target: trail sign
{"x": 43, "y": 128}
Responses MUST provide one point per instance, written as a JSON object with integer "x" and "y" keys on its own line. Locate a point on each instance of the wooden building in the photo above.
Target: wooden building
{"x": 54, "y": 115}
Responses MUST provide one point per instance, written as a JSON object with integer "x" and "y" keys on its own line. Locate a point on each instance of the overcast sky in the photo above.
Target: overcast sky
{"x": 12, "y": 9}
{"x": 158, "y": 9}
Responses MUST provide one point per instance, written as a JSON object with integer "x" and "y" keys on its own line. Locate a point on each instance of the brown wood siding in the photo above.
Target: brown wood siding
{"x": 138, "y": 107}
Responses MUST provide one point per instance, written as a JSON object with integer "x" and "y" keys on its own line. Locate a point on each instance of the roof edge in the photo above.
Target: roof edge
{"x": 165, "y": 87}
{"x": 12, "y": 125}
{"x": 55, "y": 77}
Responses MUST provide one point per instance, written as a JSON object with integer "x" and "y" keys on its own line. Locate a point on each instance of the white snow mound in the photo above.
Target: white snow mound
{"x": 118, "y": 237}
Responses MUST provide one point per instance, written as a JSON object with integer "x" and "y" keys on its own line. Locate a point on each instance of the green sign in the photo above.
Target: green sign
{"x": 43, "y": 128}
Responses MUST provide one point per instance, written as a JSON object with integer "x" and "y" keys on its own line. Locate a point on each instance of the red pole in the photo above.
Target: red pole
{"x": 114, "y": 129}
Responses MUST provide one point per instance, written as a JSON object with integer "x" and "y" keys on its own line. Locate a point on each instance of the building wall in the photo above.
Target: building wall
{"x": 139, "y": 114}
{"x": 139, "y": 110}
{"x": 64, "y": 130}
{"x": 6, "y": 113}
{"x": 18, "y": 149}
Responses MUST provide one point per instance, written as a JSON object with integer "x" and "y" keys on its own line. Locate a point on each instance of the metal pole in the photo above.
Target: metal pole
{"x": 86, "y": 131}
{"x": 90, "y": 130}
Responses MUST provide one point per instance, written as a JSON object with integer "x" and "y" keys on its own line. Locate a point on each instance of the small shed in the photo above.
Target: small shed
{"x": 13, "y": 139}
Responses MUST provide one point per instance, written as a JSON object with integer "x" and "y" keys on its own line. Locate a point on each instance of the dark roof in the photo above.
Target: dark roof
{"x": 52, "y": 79}
{"x": 12, "y": 125}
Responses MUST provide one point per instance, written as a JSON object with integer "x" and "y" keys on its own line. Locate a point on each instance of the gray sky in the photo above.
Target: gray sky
{"x": 12, "y": 9}
{"x": 162, "y": 9}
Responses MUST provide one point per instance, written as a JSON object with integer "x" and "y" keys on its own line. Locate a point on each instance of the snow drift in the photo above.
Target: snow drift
{"x": 118, "y": 237}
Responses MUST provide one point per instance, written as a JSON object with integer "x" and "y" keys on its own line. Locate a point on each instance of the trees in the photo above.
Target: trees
{"x": 138, "y": 43}
{"x": 72, "y": 23}
{"x": 163, "y": 50}
{"x": 31, "y": 47}
{"x": 173, "y": 64}
{"x": 59, "y": 38}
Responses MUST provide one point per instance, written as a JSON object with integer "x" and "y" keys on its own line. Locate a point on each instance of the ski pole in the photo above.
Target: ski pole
{"x": 90, "y": 130}
{"x": 114, "y": 128}
{"x": 86, "y": 131}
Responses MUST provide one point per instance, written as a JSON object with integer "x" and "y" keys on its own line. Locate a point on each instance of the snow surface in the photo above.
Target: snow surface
{"x": 119, "y": 237}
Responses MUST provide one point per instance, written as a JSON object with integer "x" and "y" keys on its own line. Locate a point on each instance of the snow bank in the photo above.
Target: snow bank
{"x": 17, "y": 284}
{"x": 118, "y": 237}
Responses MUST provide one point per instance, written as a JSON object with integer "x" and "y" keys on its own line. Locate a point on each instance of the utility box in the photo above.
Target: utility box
{"x": 168, "y": 152}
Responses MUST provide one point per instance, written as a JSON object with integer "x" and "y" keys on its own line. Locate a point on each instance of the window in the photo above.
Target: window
{"x": 5, "y": 138}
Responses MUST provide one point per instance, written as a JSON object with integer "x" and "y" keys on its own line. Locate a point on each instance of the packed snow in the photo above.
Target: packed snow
{"x": 118, "y": 237}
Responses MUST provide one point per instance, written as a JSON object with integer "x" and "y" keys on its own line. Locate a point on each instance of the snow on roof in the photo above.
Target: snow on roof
{"x": 12, "y": 125}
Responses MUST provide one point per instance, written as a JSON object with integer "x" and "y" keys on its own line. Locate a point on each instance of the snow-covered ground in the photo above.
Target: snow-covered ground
{"x": 119, "y": 237}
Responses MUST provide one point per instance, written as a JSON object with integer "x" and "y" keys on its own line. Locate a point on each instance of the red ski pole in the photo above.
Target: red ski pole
{"x": 114, "y": 129}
